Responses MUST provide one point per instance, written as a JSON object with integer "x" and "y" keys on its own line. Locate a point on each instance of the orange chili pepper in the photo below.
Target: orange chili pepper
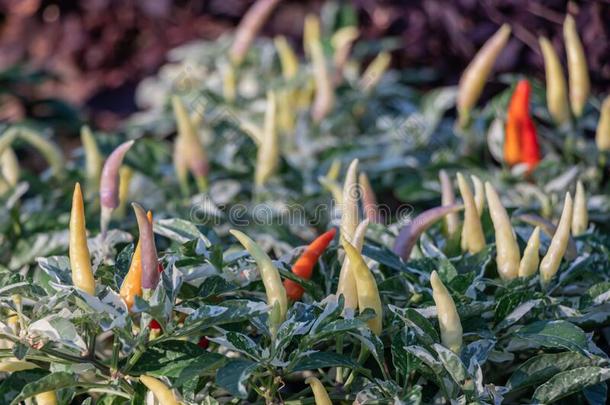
{"x": 304, "y": 265}
{"x": 132, "y": 284}
{"x": 521, "y": 141}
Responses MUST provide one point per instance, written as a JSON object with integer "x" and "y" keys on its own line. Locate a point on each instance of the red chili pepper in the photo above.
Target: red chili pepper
{"x": 203, "y": 342}
{"x": 304, "y": 265}
{"x": 521, "y": 141}
{"x": 155, "y": 325}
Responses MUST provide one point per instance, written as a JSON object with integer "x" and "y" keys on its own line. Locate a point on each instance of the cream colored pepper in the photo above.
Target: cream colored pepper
{"x": 268, "y": 156}
{"x": 556, "y": 88}
{"x": 602, "y": 134}
{"x": 319, "y": 392}
{"x": 473, "y": 239}
{"x": 448, "y": 318}
{"x": 551, "y": 261}
{"x": 507, "y": 249}
{"x": 80, "y": 261}
{"x": 577, "y": 67}
{"x": 452, "y": 221}
{"x": 580, "y": 217}
{"x": 531, "y": 256}
{"x": 162, "y": 392}
{"x": 347, "y": 282}
{"x": 479, "y": 194}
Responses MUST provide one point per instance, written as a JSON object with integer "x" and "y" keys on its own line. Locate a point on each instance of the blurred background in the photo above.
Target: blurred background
{"x": 92, "y": 54}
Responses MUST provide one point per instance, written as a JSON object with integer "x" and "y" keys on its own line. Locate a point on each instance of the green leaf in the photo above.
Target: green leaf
{"x": 315, "y": 360}
{"x": 14, "y": 383}
{"x": 555, "y": 334}
{"x": 570, "y": 382}
{"x": 179, "y": 230}
{"x": 234, "y": 376}
{"x": 540, "y": 368}
{"x": 50, "y": 382}
{"x": 454, "y": 367}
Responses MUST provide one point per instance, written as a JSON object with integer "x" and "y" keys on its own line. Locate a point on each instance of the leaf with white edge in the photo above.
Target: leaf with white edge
{"x": 57, "y": 268}
{"x": 315, "y": 360}
{"x": 234, "y": 376}
{"x": 50, "y": 382}
{"x": 555, "y": 334}
{"x": 518, "y": 313}
{"x": 570, "y": 382}
{"x": 454, "y": 367}
{"x": 58, "y": 328}
{"x": 539, "y": 369}
{"x": 179, "y": 230}
{"x": 238, "y": 342}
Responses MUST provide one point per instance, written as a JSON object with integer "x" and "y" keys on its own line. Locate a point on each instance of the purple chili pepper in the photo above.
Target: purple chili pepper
{"x": 409, "y": 235}
{"x": 149, "y": 262}
{"x": 109, "y": 183}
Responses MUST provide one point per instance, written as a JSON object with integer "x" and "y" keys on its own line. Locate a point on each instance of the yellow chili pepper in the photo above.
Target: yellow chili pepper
{"x": 531, "y": 258}
{"x": 452, "y": 220}
{"x": 507, "y": 249}
{"x": 556, "y": 89}
{"x": 341, "y": 42}
{"x": 162, "y": 392}
{"x": 374, "y": 72}
{"x": 319, "y": 392}
{"x": 578, "y": 74}
{"x": 189, "y": 147}
{"x": 311, "y": 32}
{"x": 366, "y": 286}
{"x": 268, "y": 156}
{"x": 580, "y": 217}
{"x": 551, "y": 261}
{"x": 93, "y": 158}
{"x": 132, "y": 283}
{"x": 80, "y": 261}
{"x": 347, "y": 282}
{"x": 325, "y": 93}
{"x": 46, "y": 398}
{"x": 9, "y": 167}
{"x": 288, "y": 59}
{"x": 474, "y": 77}
{"x": 602, "y": 134}
{"x": 11, "y": 366}
{"x": 448, "y": 318}
{"x": 269, "y": 273}
{"x": 248, "y": 28}
{"x": 479, "y": 194}
{"x": 349, "y": 223}
{"x": 472, "y": 239}
{"x": 125, "y": 176}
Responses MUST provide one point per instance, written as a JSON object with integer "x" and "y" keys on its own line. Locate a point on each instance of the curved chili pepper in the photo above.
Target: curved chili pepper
{"x": 578, "y": 74}
{"x": 580, "y": 217}
{"x": 132, "y": 283}
{"x": 366, "y": 287}
{"x": 448, "y": 318}
{"x": 51, "y": 152}
{"x": 162, "y": 392}
{"x": 374, "y": 71}
{"x": 329, "y": 182}
{"x": 551, "y": 261}
{"x": 268, "y": 154}
{"x": 472, "y": 239}
{"x": 109, "y": 183}
{"x": 531, "y": 257}
{"x": 288, "y": 59}
{"x": 602, "y": 133}
{"x": 341, "y": 42}
{"x": 369, "y": 200}
{"x": 149, "y": 262}
{"x": 324, "y": 99}
{"x": 408, "y": 236}
{"x": 507, "y": 249}
{"x": 474, "y": 77}
{"x": 347, "y": 282}
{"x": 304, "y": 265}
{"x": 80, "y": 261}
{"x": 93, "y": 158}
{"x": 10, "y": 169}
{"x": 248, "y": 28}
{"x": 452, "y": 220}
{"x": 556, "y": 89}
{"x": 319, "y": 392}
{"x": 188, "y": 149}
{"x": 269, "y": 273}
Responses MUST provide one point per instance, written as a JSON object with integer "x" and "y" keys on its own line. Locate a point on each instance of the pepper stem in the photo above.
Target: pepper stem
{"x": 106, "y": 214}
